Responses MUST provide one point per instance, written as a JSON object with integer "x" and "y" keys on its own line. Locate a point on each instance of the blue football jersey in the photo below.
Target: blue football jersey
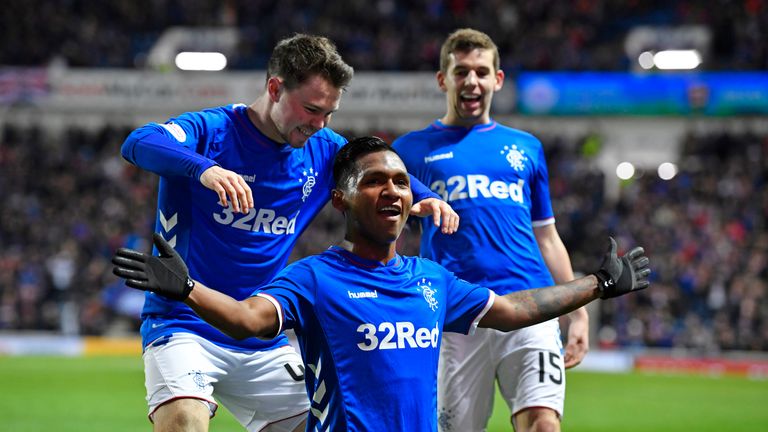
{"x": 231, "y": 252}
{"x": 370, "y": 335}
{"x": 496, "y": 179}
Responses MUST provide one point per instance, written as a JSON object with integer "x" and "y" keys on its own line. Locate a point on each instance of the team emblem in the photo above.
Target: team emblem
{"x": 308, "y": 178}
{"x": 199, "y": 379}
{"x": 425, "y": 287}
{"x": 515, "y": 157}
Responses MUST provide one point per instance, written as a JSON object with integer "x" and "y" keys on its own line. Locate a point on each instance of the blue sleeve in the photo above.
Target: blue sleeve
{"x": 467, "y": 303}
{"x": 541, "y": 204}
{"x": 167, "y": 150}
{"x": 420, "y": 191}
{"x": 293, "y": 289}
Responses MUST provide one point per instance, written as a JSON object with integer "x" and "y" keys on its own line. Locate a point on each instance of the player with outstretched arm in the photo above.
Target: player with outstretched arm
{"x": 238, "y": 185}
{"x": 370, "y": 321}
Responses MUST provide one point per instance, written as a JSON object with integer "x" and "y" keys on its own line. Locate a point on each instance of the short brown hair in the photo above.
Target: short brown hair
{"x": 465, "y": 40}
{"x": 301, "y": 56}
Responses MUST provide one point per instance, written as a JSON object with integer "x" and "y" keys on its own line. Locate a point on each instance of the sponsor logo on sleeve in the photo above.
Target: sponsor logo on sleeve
{"x": 176, "y": 131}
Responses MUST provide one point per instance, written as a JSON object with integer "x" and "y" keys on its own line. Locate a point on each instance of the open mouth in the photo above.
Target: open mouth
{"x": 470, "y": 97}
{"x": 391, "y": 211}
{"x": 306, "y": 131}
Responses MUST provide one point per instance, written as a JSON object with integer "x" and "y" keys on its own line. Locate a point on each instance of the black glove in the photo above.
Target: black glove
{"x": 165, "y": 274}
{"x": 618, "y": 276}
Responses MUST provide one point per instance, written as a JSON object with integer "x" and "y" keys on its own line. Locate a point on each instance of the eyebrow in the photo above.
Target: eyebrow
{"x": 384, "y": 172}
{"x": 319, "y": 108}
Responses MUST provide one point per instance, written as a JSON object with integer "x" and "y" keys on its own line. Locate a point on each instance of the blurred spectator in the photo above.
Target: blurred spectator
{"x": 380, "y": 34}
{"x": 706, "y": 233}
{"x": 67, "y": 201}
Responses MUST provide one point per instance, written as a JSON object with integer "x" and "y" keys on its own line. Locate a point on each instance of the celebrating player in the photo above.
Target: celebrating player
{"x": 368, "y": 320}
{"x": 496, "y": 178}
{"x": 269, "y": 167}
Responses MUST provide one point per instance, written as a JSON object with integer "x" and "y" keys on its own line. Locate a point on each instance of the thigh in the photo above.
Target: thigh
{"x": 531, "y": 372}
{"x": 465, "y": 382}
{"x": 181, "y": 367}
{"x": 190, "y": 415}
{"x": 266, "y": 391}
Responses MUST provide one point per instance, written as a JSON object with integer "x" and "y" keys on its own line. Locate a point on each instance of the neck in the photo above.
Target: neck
{"x": 454, "y": 120}
{"x": 372, "y": 252}
{"x": 258, "y": 114}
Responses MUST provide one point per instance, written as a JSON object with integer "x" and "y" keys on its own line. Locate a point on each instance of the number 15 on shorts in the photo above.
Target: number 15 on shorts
{"x": 549, "y": 367}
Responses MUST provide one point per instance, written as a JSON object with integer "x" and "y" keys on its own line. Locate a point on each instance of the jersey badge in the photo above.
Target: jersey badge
{"x": 308, "y": 179}
{"x": 515, "y": 157}
{"x": 425, "y": 287}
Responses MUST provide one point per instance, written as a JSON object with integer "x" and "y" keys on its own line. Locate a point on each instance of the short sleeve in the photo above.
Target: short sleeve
{"x": 467, "y": 304}
{"x": 541, "y": 204}
{"x": 294, "y": 291}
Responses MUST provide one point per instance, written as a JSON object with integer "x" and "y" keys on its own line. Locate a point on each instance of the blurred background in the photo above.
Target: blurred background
{"x": 652, "y": 115}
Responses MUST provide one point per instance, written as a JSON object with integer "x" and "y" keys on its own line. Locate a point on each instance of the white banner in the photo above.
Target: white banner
{"x": 130, "y": 92}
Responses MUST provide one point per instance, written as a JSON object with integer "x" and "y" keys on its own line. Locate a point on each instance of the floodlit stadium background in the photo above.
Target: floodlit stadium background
{"x": 673, "y": 159}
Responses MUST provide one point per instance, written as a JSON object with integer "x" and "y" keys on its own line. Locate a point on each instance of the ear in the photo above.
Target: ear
{"x": 274, "y": 88}
{"x": 337, "y": 200}
{"x": 499, "y": 80}
{"x": 441, "y": 80}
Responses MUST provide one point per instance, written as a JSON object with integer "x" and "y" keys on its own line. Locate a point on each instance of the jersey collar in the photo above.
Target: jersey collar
{"x": 359, "y": 261}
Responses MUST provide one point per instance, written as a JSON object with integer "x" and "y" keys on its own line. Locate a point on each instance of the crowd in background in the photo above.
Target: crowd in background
{"x": 67, "y": 201}
{"x": 381, "y": 34}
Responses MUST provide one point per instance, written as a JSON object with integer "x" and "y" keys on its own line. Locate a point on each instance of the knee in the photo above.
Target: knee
{"x": 184, "y": 420}
{"x": 187, "y": 415}
{"x": 546, "y": 424}
{"x": 537, "y": 420}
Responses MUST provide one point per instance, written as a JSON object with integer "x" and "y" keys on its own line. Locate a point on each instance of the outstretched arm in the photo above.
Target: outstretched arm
{"x": 616, "y": 276}
{"x": 254, "y": 316}
{"x": 167, "y": 275}
{"x": 524, "y": 308}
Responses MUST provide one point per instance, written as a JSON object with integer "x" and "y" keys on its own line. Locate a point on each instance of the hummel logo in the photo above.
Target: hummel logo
{"x": 363, "y": 294}
{"x": 437, "y": 157}
{"x": 249, "y": 178}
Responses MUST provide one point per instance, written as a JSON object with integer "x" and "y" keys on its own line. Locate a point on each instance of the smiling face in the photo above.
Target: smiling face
{"x": 300, "y": 112}
{"x": 469, "y": 82}
{"x": 376, "y": 200}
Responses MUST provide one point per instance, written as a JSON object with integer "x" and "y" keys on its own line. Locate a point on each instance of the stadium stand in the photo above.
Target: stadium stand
{"x": 67, "y": 200}
{"x": 380, "y": 35}
{"x": 70, "y": 201}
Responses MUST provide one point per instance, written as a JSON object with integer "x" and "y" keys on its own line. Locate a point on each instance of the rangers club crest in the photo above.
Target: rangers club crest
{"x": 515, "y": 157}
{"x": 425, "y": 287}
{"x": 308, "y": 178}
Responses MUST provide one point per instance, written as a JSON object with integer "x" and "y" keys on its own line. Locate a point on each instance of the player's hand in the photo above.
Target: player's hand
{"x": 577, "y": 344}
{"x": 165, "y": 274}
{"x": 618, "y": 276}
{"x": 440, "y": 211}
{"x": 227, "y": 183}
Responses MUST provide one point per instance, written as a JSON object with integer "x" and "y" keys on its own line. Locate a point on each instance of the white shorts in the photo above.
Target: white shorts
{"x": 261, "y": 389}
{"x": 528, "y": 364}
